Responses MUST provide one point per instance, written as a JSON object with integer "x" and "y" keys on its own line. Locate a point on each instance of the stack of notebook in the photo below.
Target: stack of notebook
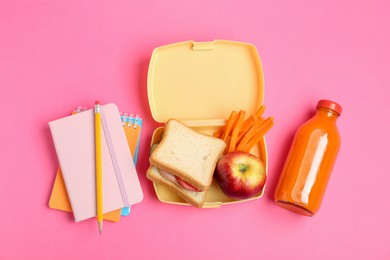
{"x": 74, "y": 188}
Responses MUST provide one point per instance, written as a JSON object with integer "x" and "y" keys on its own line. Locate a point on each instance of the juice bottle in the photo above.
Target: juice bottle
{"x": 310, "y": 161}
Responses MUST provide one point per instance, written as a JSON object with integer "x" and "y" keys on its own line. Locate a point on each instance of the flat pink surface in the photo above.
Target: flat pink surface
{"x": 56, "y": 55}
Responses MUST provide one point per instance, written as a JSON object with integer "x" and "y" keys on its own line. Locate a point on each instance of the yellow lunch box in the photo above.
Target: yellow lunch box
{"x": 200, "y": 84}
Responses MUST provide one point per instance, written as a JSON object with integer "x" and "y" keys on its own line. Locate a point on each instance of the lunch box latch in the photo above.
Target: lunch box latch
{"x": 203, "y": 46}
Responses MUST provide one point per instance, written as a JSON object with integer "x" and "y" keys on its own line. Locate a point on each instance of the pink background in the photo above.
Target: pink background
{"x": 56, "y": 55}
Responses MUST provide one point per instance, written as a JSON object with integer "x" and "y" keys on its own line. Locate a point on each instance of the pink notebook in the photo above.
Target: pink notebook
{"x": 74, "y": 143}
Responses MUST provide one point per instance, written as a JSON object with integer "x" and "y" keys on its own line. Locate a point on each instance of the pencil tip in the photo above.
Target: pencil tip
{"x": 100, "y": 227}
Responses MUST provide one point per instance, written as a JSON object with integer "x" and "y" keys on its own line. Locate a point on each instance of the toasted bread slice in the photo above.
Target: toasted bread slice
{"x": 194, "y": 198}
{"x": 189, "y": 155}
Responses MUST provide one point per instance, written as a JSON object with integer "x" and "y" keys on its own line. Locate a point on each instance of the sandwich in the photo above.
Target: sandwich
{"x": 185, "y": 161}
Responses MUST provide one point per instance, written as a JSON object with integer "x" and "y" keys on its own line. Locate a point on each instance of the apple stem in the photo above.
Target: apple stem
{"x": 243, "y": 168}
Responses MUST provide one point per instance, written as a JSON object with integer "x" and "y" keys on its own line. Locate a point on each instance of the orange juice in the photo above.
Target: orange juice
{"x": 310, "y": 161}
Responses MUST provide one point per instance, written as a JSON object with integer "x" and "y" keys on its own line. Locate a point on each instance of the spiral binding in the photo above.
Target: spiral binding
{"x": 130, "y": 120}
{"x": 80, "y": 109}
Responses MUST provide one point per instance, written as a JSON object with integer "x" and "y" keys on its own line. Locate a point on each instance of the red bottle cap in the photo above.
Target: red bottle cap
{"x": 330, "y": 105}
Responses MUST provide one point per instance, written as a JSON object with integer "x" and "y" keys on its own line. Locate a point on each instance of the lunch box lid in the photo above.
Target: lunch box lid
{"x": 202, "y": 82}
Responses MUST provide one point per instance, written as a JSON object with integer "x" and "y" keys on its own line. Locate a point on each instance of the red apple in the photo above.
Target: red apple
{"x": 240, "y": 175}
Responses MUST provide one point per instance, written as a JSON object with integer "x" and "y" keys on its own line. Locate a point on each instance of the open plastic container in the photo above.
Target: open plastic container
{"x": 200, "y": 84}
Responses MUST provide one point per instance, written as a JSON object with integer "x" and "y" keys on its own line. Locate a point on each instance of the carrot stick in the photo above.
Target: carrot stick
{"x": 248, "y": 123}
{"x": 236, "y": 129}
{"x": 260, "y": 111}
{"x": 249, "y": 134}
{"x": 218, "y": 133}
{"x": 265, "y": 127}
{"x": 229, "y": 126}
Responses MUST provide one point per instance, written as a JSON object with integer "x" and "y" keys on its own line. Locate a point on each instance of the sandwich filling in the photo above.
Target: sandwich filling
{"x": 178, "y": 181}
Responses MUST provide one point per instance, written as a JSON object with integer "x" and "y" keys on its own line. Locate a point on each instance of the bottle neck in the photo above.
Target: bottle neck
{"x": 326, "y": 112}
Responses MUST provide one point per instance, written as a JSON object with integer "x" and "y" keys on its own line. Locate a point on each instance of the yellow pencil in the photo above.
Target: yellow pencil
{"x": 98, "y": 160}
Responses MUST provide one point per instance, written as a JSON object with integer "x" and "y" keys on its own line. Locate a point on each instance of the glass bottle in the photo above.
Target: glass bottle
{"x": 310, "y": 161}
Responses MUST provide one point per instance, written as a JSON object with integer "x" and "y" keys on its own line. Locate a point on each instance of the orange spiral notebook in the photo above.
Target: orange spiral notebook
{"x": 59, "y": 198}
